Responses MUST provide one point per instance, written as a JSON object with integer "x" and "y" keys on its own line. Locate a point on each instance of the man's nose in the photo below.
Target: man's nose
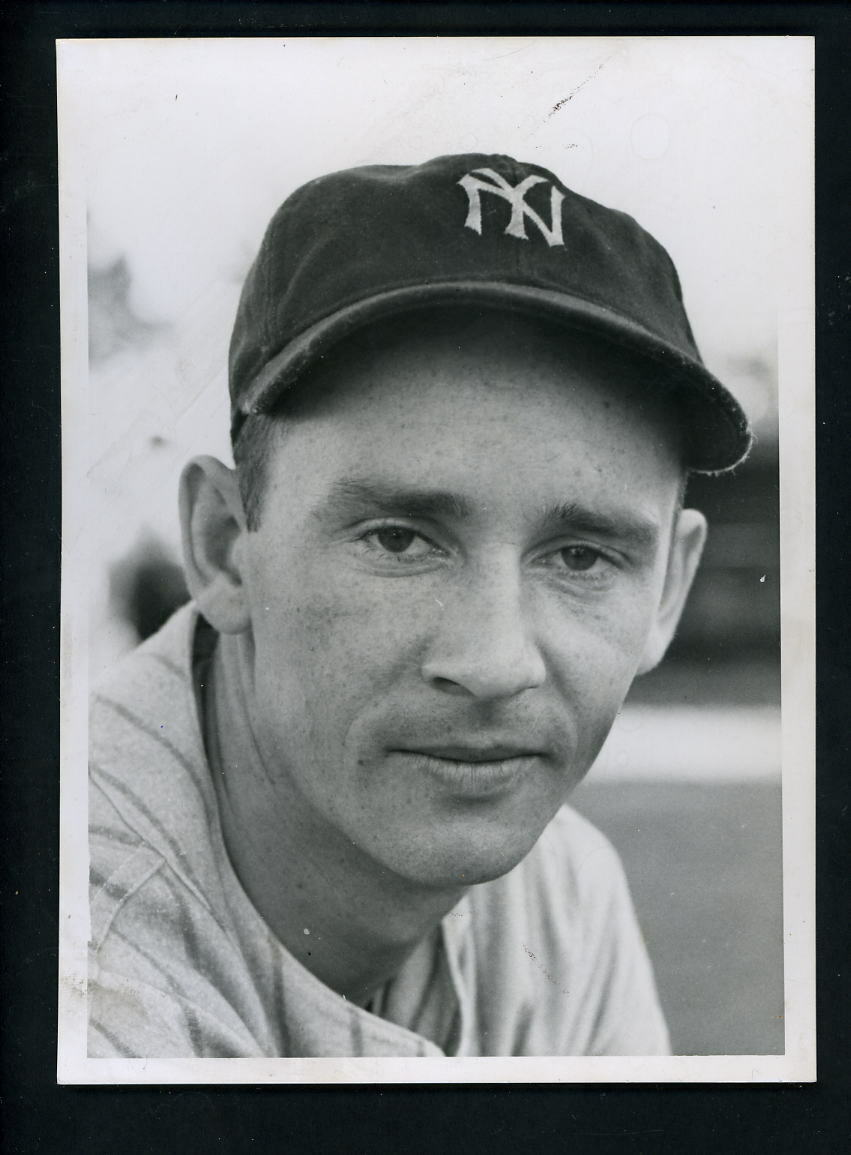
{"x": 484, "y": 645}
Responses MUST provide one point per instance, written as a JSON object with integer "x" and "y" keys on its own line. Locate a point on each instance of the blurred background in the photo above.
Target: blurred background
{"x": 185, "y": 148}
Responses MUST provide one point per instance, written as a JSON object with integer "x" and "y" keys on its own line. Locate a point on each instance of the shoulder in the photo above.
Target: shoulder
{"x": 569, "y": 894}
{"x": 565, "y": 888}
{"x": 573, "y": 836}
{"x": 148, "y": 767}
{"x": 152, "y": 676}
{"x": 572, "y": 853}
{"x": 151, "y": 800}
{"x": 562, "y": 964}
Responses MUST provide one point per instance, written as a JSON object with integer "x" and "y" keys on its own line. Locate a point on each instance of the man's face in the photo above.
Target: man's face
{"x": 460, "y": 558}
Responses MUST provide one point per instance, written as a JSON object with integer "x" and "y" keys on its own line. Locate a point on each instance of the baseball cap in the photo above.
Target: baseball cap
{"x": 365, "y": 244}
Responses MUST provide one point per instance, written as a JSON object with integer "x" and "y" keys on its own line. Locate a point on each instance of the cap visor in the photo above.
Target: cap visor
{"x": 723, "y": 439}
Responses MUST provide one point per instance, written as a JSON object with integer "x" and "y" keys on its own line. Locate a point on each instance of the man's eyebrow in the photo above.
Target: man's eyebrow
{"x": 632, "y": 528}
{"x": 353, "y": 497}
{"x": 350, "y": 497}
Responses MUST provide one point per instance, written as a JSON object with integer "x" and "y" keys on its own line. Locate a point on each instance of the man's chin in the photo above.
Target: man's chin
{"x": 446, "y": 866}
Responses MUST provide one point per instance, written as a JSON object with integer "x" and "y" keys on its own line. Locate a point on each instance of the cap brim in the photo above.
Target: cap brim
{"x": 720, "y": 437}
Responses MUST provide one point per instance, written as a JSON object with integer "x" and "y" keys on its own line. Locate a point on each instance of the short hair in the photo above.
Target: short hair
{"x": 252, "y": 451}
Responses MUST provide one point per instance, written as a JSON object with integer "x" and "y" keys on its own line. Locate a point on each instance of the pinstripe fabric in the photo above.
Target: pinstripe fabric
{"x": 548, "y": 960}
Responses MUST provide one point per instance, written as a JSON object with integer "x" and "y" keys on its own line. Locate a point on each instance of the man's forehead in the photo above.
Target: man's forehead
{"x": 470, "y": 451}
{"x": 624, "y": 516}
{"x": 484, "y": 423}
{"x": 501, "y": 350}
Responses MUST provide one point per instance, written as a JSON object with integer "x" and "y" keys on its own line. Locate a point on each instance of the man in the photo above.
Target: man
{"x": 328, "y": 797}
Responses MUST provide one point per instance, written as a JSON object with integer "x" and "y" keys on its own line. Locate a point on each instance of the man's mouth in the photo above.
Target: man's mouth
{"x": 476, "y": 753}
{"x": 473, "y": 770}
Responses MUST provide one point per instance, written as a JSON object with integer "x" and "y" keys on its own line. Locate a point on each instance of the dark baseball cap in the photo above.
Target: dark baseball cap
{"x": 365, "y": 244}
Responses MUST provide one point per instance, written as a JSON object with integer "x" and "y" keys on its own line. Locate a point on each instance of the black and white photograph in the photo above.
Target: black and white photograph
{"x": 437, "y": 450}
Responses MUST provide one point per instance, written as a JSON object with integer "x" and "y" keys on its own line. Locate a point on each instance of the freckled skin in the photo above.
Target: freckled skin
{"x": 355, "y": 654}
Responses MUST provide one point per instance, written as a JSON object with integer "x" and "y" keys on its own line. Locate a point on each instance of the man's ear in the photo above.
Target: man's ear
{"x": 213, "y": 529}
{"x": 687, "y": 541}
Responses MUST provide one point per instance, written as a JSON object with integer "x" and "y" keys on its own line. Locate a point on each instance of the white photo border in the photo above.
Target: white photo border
{"x": 795, "y": 325}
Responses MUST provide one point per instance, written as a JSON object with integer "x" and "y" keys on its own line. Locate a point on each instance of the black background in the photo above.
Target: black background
{"x": 39, "y": 1116}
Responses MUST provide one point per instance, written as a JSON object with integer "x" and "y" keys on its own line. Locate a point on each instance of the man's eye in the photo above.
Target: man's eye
{"x": 396, "y": 539}
{"x": 579, "y": 558}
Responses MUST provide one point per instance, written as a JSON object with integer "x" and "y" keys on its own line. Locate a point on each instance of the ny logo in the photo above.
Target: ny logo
{"x": 474, "y": 186}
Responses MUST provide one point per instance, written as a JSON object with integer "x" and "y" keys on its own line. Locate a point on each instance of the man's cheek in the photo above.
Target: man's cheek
{"x": 599, "y": 646}
{"x": 334, "y": 637}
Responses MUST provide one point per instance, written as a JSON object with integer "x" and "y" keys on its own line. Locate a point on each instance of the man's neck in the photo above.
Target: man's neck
{"x": 348, "y": 920}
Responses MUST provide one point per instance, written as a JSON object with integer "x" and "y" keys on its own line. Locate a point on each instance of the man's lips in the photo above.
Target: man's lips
{"x": 502, "y": 752}
{"x": 474, "y": 770}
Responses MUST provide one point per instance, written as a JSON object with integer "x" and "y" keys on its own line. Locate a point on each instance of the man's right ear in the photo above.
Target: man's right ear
{"x": 213, "y": 529}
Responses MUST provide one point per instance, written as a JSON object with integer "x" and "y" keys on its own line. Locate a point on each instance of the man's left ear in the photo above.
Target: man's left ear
{"x": 687, "y": 543}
